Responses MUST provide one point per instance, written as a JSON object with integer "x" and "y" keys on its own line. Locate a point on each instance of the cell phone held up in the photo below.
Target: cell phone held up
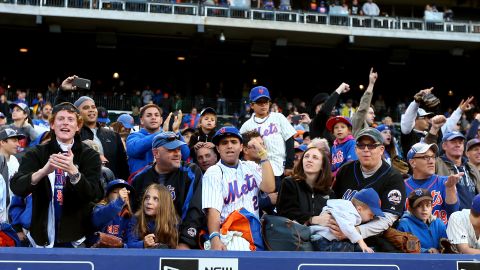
{"x": 296, "y": 119}
{"x": 81, "y": 83}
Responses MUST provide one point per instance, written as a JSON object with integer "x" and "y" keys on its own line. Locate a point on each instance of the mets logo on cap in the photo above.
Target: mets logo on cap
{"x": 260, "y": 91}
{"x": 222, "y": 130}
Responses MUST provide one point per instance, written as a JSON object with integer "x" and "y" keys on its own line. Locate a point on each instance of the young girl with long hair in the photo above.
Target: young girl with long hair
{"x": 155, "y": 223}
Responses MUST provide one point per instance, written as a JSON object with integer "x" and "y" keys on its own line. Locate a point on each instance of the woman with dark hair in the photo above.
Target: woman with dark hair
{"x": 303, "y": 195}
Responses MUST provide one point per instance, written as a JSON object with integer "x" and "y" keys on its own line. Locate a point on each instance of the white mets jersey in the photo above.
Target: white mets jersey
{"x": 228, "y": 189}
{"x": 275, "y": 130}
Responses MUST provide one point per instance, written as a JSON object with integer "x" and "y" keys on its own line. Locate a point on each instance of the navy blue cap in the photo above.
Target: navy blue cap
{"x": 370, "y": 197}
{"x": 118, "y": 183}
{"x": 126, "y": 120}
{"x": 208, "y": 110}
{"x": 476, "y": 204}
{"x": 259, "y": 92}
{"x": 452, "y": 135}
{"x": 2, "y": 115}
{"x": 103, "y": 115}
{"x": 167, "y": 139}
{"x": 226, "y": 131}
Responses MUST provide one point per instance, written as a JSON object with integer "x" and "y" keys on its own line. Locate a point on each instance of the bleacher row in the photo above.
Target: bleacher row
{"x": 432, "y": 22}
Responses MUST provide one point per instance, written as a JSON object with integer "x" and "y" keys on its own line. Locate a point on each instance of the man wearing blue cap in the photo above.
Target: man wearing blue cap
{"x": 183, "y": 180}
{"x": 442, "y": 188}
{"x": 277, "y": 133}
{"x": 233, "y": 184}
{"x": 454, "y": 162}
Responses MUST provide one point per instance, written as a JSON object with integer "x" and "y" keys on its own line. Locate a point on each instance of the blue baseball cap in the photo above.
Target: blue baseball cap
{"x": 118, "y": 183}
{"x": 332, "y": 121}
{"x": 226, "y": 131}
{"x": 103, "y": 115}
{"x": 259, "y": 92}
{"x": 167, "y": 139}
{"x": 383, "y": 128}
{"x": 126, "y": 120}
{"x": 370, "y": 197}
{"x": 452, "y": 135}
{"x": 2, "y": 115}
{"x": 421, "y": 148}
{"x": 301, "y": 148}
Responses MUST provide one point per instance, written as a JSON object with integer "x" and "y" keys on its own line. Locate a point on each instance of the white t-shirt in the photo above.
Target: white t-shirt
{"x": 460, "y": 229}
{"x": 275, "y": 130}
{"x": 228, "y": 189}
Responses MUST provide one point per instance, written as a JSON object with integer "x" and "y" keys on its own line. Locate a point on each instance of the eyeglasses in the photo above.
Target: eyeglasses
{"x": 426, "y": 158}
{"x": 369, "y": 146}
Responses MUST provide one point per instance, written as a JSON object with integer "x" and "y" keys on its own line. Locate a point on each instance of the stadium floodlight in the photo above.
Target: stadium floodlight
{"x": 221, "y": 37}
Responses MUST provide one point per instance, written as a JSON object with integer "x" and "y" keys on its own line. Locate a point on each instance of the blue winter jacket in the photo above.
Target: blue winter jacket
{"x": 107, "y": 219}
{"x": 139, "y": 149}
{"x": 429, "y": 235}
{"x": 20, "y": 212}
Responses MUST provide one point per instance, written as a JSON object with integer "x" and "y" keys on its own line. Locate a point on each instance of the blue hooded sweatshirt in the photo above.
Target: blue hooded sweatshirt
{"x": 139, "y": 149}
{"x": 429, "y": 235}
{"x": 466, "y": 188}
{"x": 108, "y": 219}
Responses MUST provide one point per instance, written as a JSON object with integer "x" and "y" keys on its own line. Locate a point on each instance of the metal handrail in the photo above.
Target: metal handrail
{"x": 297, "y": 17}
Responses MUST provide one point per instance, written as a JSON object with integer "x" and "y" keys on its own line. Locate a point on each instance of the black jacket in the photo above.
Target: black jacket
{"x": 113, "y": 149}
{"x": 318, "y": 126}
{"x": 199, "y": 136}
{"x": 185, "y": 185}
{"x": 297, "y": 201}
{"x": 386, "y": 181}
{"x": 75, "y": 220}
